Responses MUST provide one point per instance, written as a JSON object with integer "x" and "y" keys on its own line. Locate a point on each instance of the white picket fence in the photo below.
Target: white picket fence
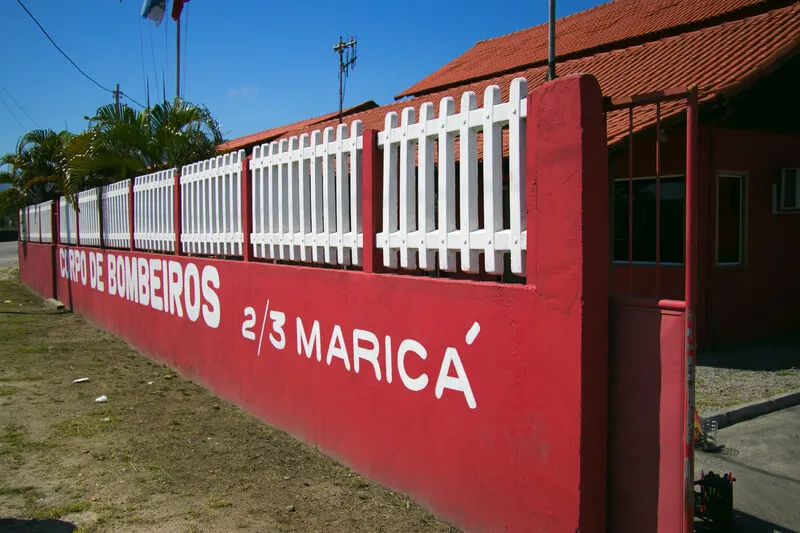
{"x": 154, "y": 227}
{"x": 89, "y": 213}
{"x": 420, "y": 222}
{"x": 45, "y": 221}
{"x": 116, "y": 221}
{"x": 307, "y": 197}
{"x": 68, "y": 222}
{"x": 447, "y": 199}
{"x": 24, "y": 224}
{"x": 36, "y": 223}
{"x": 211, "y": 200}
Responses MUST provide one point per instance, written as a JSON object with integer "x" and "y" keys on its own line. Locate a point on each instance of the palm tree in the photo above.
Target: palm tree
{"x": 122, "y": 142}
{"x": 34, "y": 171}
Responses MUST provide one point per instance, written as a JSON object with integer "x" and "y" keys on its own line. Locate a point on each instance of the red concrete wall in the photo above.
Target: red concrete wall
{"x": 646, "y": 417}
{"x": 36, "y": 267}
{"x": 485, "y": 402}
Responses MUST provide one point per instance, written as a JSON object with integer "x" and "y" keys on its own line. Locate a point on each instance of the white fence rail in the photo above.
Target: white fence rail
{"x": 420, "y": 222}
{"x": 153, "y": 205}
{"x": 211, "y": 205}
{"x": 116, "y": 221}
{"x": 307, "y": 197}
{"x": 68, "y": 222}
{"x": 89, "y": 213}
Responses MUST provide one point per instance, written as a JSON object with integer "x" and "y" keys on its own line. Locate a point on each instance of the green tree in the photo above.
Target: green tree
{"x": 35, "y": 171}
{"x": 121, "y": 143}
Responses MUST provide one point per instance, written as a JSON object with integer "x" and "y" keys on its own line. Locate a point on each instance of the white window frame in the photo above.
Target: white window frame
{"x": 650, "y": 263}
{"x": 743, "y": 179}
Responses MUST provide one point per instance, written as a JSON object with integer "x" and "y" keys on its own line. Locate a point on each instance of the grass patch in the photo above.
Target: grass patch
{"x": 51, "y": 512}
{"x": 87, "y": 425}
{"x": 219, "y": 503}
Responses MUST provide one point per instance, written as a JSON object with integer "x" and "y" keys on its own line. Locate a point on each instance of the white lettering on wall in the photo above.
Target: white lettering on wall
{"x": 161, "y": 284}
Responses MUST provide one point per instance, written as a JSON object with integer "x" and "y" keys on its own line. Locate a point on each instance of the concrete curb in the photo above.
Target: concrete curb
{"x": 748, "y": 411}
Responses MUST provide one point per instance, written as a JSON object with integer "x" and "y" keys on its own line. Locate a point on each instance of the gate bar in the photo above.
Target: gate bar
{"x": 692, "y": 137}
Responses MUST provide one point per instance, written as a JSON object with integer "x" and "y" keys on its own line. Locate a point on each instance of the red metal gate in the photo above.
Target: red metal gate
{"x": 652, "y": 353}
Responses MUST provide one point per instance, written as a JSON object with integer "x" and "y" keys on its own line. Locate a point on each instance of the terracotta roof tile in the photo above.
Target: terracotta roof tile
{"x": 716, "y": 60}
{"x": 597, "y": 29}
{"x": 274, "y": 133}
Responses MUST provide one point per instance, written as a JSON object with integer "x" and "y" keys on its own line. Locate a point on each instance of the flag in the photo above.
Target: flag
{"x": 177, "y": 7}
{"x": 154, "y": 10}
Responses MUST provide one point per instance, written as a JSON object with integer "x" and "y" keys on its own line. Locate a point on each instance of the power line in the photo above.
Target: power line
{"x": 132, "y": 100}
{"x": 12, "y": 114}
{"x": 19, "y": 106}
{"x": 60, "y": 50}
{"x": 153, "y": 55}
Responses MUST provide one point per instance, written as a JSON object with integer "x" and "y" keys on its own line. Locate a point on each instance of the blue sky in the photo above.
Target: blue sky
{"x": 255, "y": 64}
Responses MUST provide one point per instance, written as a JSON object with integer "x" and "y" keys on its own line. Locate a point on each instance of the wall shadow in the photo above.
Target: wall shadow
{"x": 15, "y": 525}
{"x": 743, "y": 523}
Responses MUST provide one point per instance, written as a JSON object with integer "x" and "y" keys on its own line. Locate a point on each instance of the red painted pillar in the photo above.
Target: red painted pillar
{"x": 131, "y": 217}
{"x": 176, "y": 212}
{"x": 77, "y": 222}
{"x": 54, "y": 235}
{"x": 371, "y": 200}
{"x": 567, "y": 225}
{"x": 247, "y": 209}
{"x": 100, "y": 215}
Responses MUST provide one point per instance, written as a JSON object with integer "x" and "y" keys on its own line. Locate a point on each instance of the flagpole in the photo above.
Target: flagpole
{"x": 178, "y": 57}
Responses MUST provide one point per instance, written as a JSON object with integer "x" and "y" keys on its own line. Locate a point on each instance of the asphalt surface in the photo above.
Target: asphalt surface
{"x": 8, "y": 253}
{"x": 764, "y": 456}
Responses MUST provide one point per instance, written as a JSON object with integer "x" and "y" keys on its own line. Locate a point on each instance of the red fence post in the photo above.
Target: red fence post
{"x": 131, "y": 217}
{"x": 567, "y": 231}
{"x": 100, "y": 215}
{"x": 176, "y": 212}
{"x": 55, "y": 231}
{"x": 247, "y": 209}
{"x": 77, "y": 222}
{"x": 371, "y": 200}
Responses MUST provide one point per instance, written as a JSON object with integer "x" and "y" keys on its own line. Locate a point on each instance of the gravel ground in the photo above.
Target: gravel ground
{"x": 747, "y": 374}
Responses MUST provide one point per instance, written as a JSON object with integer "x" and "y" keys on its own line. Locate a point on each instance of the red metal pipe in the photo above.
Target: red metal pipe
{"x": 625, "y": 102}
{"x": 658, "y": 200}
{"x": 690, "y": 262}
{"x": 630, "y": 201}
{"x": 247, "y": 209}
{"x": 131, "y": 217}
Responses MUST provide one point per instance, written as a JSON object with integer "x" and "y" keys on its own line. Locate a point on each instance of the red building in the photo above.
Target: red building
{"x": 742, "y": 56}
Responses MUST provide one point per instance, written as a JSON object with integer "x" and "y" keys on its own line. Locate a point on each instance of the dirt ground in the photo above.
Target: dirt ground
{"x": 162, "y": 454}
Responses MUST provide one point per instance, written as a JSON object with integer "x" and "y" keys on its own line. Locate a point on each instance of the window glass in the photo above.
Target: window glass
{"x": 672, "y": 196}
{"x": 730, "y": 215}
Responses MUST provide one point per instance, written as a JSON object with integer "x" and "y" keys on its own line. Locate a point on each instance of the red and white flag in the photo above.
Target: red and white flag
{"x": 177, "y": 7}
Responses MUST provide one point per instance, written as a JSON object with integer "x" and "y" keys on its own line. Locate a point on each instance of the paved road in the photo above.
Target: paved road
{"x": 8, "y": 253}
{"x": 764, "y": 456}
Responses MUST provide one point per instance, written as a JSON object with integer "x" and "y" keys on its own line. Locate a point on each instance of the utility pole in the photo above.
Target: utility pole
{"x": 551, "y": 38}
{"x": 178, "y": 57}
{"x": 116, "y": 97}
{"x": 347, "y": 62}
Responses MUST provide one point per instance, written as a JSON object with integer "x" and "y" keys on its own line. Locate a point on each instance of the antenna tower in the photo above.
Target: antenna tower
{"x": 347, "y": 62}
